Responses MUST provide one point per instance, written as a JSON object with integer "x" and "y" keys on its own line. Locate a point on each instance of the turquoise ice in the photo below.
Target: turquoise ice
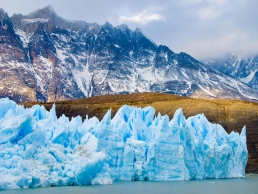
{"x": 37, "y": 149}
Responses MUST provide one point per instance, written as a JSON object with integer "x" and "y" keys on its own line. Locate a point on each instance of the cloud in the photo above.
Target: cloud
{"x": 208, "y": 14}
{"x": 146, "y": 16}
{"x": 206, "y": 10}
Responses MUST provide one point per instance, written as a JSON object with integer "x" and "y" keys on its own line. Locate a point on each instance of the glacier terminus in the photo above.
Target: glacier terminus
{"x": 37, "y": 149}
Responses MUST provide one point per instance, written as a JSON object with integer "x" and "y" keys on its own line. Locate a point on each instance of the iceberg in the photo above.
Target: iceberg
{"x": 37, "y": 149}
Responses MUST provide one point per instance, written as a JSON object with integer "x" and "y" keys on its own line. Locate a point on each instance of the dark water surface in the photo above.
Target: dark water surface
{"x": 248, "y": 185}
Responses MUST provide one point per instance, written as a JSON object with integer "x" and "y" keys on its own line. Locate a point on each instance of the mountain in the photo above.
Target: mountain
{"x": 44, "y": 57}
{"x": 243, "y": 69}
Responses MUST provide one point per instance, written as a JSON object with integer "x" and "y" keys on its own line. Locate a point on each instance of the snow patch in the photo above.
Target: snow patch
{"x": 207, "y": 91}
{"x": 249, "y": 77}
{"x": 25, "y": 38}
{"x": 41, "y": 20}
{"x": 83, "y": 79}
{"x": 61, "y": 54}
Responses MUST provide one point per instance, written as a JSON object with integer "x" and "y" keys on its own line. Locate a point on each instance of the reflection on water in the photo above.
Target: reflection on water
{"x": 248, "y": 185}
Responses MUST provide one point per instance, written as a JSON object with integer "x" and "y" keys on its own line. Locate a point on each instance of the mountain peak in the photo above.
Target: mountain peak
{"x": 3, "y": 14}
{"x": 138, "y": 30}
{"x": 123, "y": 26}
{"x": 50, "y": 8}
{"x": 45, "y": 13}
{"x": 108, "y": 25}
{"x": 1, "y": 10}
{"x": 46, "y": 18}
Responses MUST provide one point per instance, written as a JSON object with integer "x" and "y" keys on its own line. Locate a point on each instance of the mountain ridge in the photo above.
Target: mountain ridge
{"x": 61, "y": 60}
{"x": 243, "y": 69}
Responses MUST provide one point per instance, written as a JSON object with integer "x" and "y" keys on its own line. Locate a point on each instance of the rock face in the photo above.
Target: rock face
{"x": 242, "y": 69}
{"x": 44, "y": 57}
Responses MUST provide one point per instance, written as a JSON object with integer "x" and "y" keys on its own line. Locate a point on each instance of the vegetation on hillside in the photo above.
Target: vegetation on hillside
{"x": 231, "y": 114}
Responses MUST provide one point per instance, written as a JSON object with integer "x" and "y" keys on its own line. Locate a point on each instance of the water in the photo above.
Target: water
{"x": 246, "y": 185}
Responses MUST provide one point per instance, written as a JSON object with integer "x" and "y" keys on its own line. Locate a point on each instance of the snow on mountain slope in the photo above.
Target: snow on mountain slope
{"x": 64, "y": 59}
{"x": 242, "y": 69}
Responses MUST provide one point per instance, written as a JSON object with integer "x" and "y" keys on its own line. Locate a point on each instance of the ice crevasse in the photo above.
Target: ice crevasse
{"x": 37, "y": 149}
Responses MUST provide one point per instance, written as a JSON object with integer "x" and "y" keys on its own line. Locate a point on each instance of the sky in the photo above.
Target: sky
{"x": 205, "y": 29}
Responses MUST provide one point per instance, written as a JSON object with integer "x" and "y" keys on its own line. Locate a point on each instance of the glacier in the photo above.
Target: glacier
{"x": 37, "y": 149}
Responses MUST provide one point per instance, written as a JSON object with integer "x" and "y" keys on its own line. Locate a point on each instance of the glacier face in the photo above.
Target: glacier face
{"x": 37, "y": 149}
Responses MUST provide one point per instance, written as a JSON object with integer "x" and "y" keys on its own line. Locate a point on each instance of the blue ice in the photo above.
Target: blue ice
{"x": 37, "y": 149}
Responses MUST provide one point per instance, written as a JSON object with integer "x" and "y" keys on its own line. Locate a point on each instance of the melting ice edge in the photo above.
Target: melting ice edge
{"x": 37, "y": 149}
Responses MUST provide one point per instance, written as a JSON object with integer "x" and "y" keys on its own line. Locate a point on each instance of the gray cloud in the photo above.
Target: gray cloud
{"x": 202, "y": 28}
{"x": 144, "y": 17}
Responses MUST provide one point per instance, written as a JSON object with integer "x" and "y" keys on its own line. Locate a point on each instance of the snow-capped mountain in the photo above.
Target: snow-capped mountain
{"x": 242, "y": 69}
{"x": 47, "y": 58}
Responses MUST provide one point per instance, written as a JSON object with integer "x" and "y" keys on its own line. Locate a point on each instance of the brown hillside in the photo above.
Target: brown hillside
{"x": 231, "y": 114}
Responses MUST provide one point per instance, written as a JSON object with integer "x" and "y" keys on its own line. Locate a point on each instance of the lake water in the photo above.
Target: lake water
{"x": 248, "y": 185}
